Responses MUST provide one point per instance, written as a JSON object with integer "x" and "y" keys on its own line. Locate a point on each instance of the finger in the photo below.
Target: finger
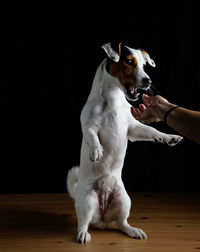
{"x": 142, "y": 107}
{"x": 146, "y": 99}
{"x": 138, "y": 111}
{"x": 133, "y": 111}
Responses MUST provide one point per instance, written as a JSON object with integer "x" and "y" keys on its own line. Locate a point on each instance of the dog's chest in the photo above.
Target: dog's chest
{"x": 114, "y": 127}
{"x": 114, "y": 121}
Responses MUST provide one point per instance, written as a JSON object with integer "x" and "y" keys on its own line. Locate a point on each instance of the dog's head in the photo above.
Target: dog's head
{"x": 127, "y": 64}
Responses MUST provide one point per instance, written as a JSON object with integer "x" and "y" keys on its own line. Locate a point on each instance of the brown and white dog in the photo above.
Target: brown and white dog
{"x": 107, "y": 125}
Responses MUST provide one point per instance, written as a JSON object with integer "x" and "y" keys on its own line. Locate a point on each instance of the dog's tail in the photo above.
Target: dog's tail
{"x": 72, "y": 180}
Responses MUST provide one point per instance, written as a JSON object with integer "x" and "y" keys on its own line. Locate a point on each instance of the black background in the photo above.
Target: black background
{"x": 50, "y": 53}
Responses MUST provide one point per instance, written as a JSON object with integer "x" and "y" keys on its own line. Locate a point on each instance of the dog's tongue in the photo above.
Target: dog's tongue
{"x": 132, "y": 89}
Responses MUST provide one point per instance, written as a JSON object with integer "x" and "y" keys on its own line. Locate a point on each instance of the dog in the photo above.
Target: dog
{"x": 107, "y": 125}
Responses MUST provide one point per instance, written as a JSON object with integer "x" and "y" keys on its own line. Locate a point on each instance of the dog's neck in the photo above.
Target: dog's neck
{"x": 106, "y": 85}
{"x": 108, "y": 65}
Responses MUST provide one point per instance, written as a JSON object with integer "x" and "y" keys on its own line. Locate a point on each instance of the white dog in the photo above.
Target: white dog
{"x": 107, "y": 125}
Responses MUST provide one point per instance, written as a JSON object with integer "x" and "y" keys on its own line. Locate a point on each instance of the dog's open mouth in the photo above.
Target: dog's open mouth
{"x": 132, "y": 92}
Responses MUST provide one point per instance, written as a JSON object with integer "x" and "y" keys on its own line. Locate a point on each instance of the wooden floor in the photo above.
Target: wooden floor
{"x": 47, "y": 223}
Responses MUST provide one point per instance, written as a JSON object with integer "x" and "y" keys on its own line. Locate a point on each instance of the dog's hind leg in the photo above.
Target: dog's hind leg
{"x": 85, "y": 207}
{"x": 121, "y": 207}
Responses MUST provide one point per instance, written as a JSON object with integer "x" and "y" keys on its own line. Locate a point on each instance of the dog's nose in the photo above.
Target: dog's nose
{"x": 146, "y": 82}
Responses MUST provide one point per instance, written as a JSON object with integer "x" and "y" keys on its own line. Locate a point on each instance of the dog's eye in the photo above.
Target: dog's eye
{"x": 130, "y": 62}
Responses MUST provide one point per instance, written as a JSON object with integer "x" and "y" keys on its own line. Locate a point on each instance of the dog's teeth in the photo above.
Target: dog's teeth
{"x": 137, "y": 94}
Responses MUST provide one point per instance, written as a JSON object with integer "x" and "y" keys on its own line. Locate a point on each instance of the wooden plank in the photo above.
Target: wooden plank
{"x": 47, "y": 222}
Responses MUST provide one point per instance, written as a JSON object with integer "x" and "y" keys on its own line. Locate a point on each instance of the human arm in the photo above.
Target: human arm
{"x": 184, "y": 121}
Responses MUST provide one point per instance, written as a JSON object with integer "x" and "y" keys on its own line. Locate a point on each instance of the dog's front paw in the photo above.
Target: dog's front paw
{"x": 174, "y": 139}
{"x": 171, "y": 140}
{"x": 96, "y": 153}
{"x": 83, "y": 237}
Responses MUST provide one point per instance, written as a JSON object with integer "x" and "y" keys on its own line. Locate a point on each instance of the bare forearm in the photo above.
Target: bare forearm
{"x": 186, "y": 122}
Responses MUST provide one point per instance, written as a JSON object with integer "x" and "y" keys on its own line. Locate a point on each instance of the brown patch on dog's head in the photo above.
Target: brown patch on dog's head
{"x": 147, "y": 58}
{"x": 144, "y": 53}
{"x": 124, "y": 69}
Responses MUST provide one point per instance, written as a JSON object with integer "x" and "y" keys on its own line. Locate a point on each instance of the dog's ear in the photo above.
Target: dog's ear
{"x": 147, "y": 58}
{"x": 111, "y": 53}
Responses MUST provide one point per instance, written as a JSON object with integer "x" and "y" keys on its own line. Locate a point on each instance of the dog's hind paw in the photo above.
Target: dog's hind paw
{"x": 96, "y": 153}
{"x": 83, "y": 237}
{"x": 136, "y": 233}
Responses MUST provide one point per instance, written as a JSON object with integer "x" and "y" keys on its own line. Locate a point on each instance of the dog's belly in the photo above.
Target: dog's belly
{"x": 108, "y": 194}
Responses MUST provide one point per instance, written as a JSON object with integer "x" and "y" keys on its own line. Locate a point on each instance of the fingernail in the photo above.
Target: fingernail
{"x": 144, "y": 95}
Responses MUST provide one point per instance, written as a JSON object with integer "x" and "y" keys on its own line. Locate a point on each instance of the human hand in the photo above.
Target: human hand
{"x": 152, "y": 110}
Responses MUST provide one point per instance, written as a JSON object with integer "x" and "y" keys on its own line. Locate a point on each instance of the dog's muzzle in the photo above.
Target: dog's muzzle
{"x": 134, "y": 92}
{"x": 146, "y": 83}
